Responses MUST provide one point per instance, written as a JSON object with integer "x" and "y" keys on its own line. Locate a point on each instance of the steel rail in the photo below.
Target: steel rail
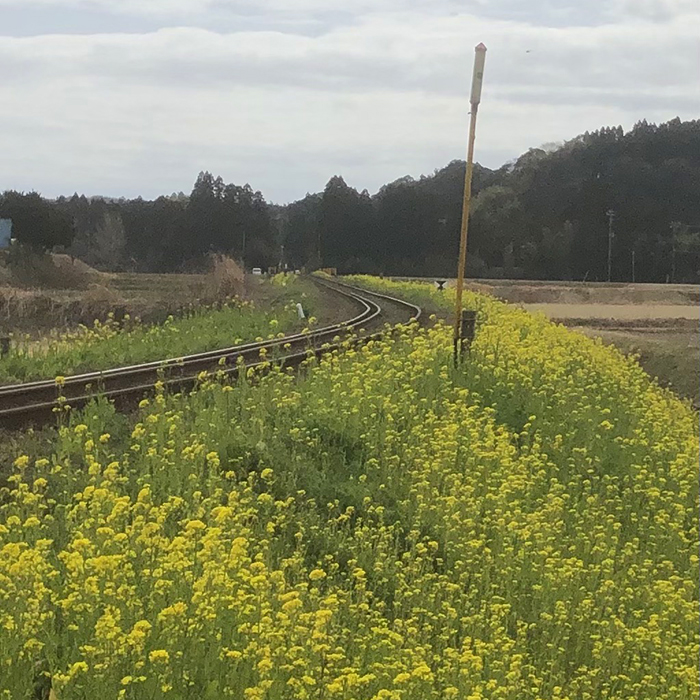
{"x": 187, "y": 360}
{"x": 417, "y": 311}
{"x": 35, "y": 402}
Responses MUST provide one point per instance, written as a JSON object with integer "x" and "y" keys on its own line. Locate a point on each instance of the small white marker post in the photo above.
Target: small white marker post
{"x": 475, "y": 99}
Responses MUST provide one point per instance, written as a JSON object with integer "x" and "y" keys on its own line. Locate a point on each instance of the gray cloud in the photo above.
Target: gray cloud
{"x": 373, "y": 95}
{"x": 383, "y": 55}
{"x": 204, "y": 13}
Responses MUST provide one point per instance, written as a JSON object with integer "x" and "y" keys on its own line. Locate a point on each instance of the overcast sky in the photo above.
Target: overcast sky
{"x": 129, "y": 97}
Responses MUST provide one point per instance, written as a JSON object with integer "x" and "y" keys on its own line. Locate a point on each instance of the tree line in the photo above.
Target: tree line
{"x": 607, "y": 200}
{"x": 552, "y": 214}
{"x": 167, "y": 234}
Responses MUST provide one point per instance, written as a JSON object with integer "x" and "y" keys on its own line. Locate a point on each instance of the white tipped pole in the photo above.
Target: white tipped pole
{"x": 477, "y": 82}
{"x": 478, "y": 75}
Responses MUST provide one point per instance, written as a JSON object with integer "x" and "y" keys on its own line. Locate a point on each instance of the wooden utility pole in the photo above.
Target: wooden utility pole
{"x": 477, "y": 81}
{"x": 611, "y": 217}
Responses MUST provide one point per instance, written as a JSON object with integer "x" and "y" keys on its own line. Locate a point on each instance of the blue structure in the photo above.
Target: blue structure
{"x": 5, "y": 233}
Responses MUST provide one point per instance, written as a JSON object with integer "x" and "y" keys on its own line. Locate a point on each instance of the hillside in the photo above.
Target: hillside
{"x": 542, "y": 216}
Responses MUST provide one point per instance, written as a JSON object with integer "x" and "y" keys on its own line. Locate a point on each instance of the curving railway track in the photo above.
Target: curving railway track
{"x": 34, "y": 403}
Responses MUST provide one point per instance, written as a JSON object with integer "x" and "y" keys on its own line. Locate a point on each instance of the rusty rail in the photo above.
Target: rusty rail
{"x": 34, "y": 403}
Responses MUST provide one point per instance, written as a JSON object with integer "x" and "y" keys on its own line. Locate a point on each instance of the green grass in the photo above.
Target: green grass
{"x": 673, "y": 357}
{"x": 111, "y": 344}
{"x": 670, "y": 354}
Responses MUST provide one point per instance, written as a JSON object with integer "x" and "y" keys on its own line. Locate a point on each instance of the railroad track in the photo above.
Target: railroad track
{"x": 35, "y": 403}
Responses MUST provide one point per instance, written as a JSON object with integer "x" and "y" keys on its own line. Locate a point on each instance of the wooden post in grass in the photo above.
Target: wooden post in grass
{"x": 468, "y": 329}
{"x": 477, "y": 80}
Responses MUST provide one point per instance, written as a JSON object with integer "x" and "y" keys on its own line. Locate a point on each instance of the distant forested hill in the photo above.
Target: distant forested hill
{"x": 544, "y": 215}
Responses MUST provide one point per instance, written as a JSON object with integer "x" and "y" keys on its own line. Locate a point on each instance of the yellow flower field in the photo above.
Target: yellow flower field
{"x": 384, "y": 527}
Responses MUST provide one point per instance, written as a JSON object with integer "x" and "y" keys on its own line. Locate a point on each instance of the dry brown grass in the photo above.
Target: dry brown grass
{"x": 29, "y": 310}
{"x": 74, "y": 266}
{"x": 99, "y": 296}
{"x": 152, "y": 297}
{"x": 558, "y": 292}
{"x": 605, "y": 315}
{"x": 225, "y": 279}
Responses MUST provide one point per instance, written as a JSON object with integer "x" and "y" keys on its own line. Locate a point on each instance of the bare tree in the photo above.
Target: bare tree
{"x": 104, "y": 248}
